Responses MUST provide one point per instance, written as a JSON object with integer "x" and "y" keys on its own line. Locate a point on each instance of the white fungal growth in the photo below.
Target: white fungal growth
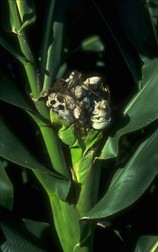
{"x": 93, "y": 82}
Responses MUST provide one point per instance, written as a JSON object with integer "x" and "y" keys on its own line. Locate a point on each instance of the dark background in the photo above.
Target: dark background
{"x": 82, "y": 20}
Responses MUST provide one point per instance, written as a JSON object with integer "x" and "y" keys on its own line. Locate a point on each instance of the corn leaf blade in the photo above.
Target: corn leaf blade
{"x": 138, "y": 27}
{"x": 17, "y": 234}
{"x": 11, "y": 94}
{"x": 147, "y": 243}
{"x": 10, "y": 16}
{"x": 6, "y": 189}
{"x": 65, "y": 213}
{"x": 27, "y": 12}
{"x": 9, "y": 47}
{"x": 139, "y": 112}
{"x": 12, "y": 149}
{"x": 53, "y": 55}
{"x": 131, "y": 181}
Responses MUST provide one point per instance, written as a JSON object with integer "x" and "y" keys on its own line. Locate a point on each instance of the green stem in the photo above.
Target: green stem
{"x": 54, "y": 150}
{"x": 66, "y": 216}
{"x": 49, "y": 136}
{"x": 30, "y": 66}
{"x": 89, "y": 189}
{"x": 67, "y": 223}
{"x": 52, "y": 144}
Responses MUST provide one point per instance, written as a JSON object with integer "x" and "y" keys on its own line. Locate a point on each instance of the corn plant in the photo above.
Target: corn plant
{"x": 84, "y": 140}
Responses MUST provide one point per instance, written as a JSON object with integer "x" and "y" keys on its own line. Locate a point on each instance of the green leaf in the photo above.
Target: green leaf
{"x": 66, "y": 132}
{"x": 53, "y": 55}
{"x": 27, "y": 12}
{"x": 9, "y": 47}
{"x": 66, "y": 219}
{"x": 53, "y": 42}
{"x": 93, "y": 44}
{"x": 17, "y": 236}
{"x": 11, "y": 94}
{"x": 36, "y": 228}
{"x": 76, "y": 156}
{"x": 53, "y": 186}
{"x": 83, "y": 166}
{"x": 14, "y": 24}
{"x": 10, "y": 16}
{"x": 153, "y": 12}
{"x": 86, "y": 237}
{"x": 147, "y": 243}
{"x": 18, "y": 14}
{"x": 140, "y": 111}
{"x": 6, "y": 189}
{"x": 12, "y": 149}
{"x": 130, "y": 181}
{"x": 139, "y": 27}
{"x": 149, "y": 72}
{"x": 67, "y": 135}
{"x": 93, "y": 137}
{"x": 89, "y": 186}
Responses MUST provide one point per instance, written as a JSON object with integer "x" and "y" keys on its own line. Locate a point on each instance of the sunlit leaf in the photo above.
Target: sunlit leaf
{"x": 18, "y": 14}
{"x": 27, "y": 12}
{"x": 6, "y": 189}
{"x": 64, "y": 214}
{"x": 92, "y": 139}
{"x": 89, "y": 187}
{"x": 10, "y": 16}
{"x": 82, "y": 167}
{"x": 130, "y": 181}
{"x": 147, "y": 243}
{"x": 53, "y": 186}
{"x": 67, "y": 135}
